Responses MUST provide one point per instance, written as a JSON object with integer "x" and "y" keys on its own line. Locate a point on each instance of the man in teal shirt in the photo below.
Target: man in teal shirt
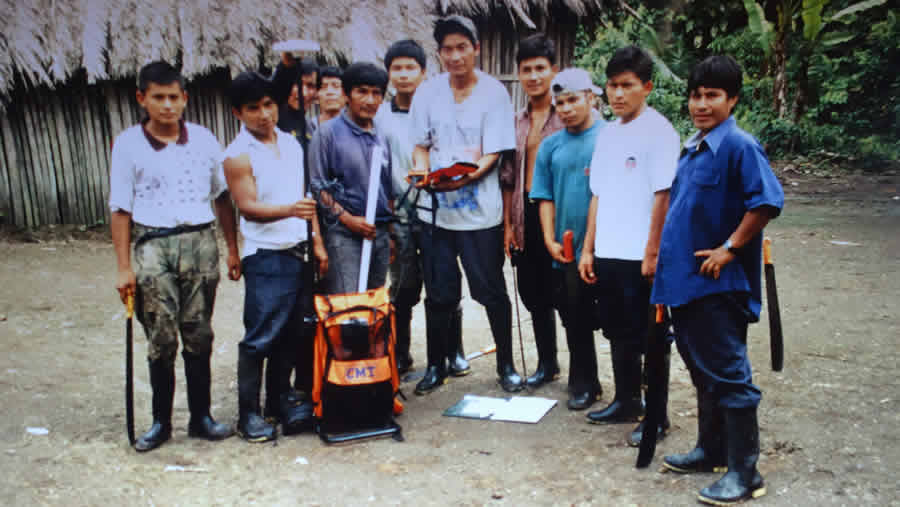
{"x": 561, "y": 183}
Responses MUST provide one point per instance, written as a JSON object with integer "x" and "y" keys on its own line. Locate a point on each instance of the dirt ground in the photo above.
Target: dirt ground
{"x": 829, "y": 421}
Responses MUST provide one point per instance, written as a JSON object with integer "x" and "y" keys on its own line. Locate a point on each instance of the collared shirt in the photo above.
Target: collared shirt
{"x": 512, "y": 171}
{"x": 166, "y": 184}
{"x": 279, "y": 181}
{"x": 561, "y": 176}
{"x": 479, "y": 125}
{"x": 341, "y": 152}
{"x": 394, "y": 123}
{"x": 720, "y": 177}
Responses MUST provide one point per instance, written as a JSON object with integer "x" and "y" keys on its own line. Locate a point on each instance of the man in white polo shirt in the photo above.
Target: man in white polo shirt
{"x": 165, "y": 178}
{"x": 265, "y": 173}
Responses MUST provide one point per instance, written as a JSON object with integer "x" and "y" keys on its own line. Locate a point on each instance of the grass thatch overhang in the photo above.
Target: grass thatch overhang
{"x": 47, "y": 42}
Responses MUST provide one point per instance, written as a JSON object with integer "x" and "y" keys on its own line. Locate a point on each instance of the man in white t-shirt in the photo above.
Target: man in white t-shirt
{"x": 265, "y": 174}
{"x": 463, "y": 115}
{"x": 631, "y": 171}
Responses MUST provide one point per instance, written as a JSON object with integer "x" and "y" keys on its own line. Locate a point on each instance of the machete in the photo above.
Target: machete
{"x": 129, "y": 367}
{"x": 775, "y": 335}
{"x": 570, "y": 270}
{"x": 656, "y": 385}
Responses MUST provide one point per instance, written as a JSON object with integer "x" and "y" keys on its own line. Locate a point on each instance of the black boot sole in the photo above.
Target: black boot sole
{"x": 459, "y": 373}
{"x": 420, "y": 392}
{"x": 538, "y": 383}
{"x": 154, "y": 445}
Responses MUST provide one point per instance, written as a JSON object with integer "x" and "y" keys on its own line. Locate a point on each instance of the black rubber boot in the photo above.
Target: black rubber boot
{"x": 251, "y": 426}
{"x": 500, "y": 319}
{"x": 742, "y": 481}
{"x": 634, "y": 438}
{"x": 162, "y": 380}
{"x": 544, "y": 324}
{"x": 403, "y": 333}
{"x": 199, "y": 377}
{"x": 437, "y": 323}
{"x": 457, "y": 365}
{"x": 709, "y": 454}
{"x": 270, "y": 407}
{"x": 584, "y": 386}
{"x": 627, "y": 405}
{"x": 303, "y": 366}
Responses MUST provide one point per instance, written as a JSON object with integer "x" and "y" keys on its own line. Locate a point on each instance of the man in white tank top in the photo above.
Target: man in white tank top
{"x": 265, "y": 174}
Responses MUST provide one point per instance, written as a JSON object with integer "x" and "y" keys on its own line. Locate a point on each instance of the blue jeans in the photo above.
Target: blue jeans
{"x": 273, "y": 300}
{"x": 711, "y": 335}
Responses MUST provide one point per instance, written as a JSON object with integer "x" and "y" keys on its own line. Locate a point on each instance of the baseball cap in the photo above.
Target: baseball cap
{"x": 455, "y": 24}
{"x": 573, "y": 80}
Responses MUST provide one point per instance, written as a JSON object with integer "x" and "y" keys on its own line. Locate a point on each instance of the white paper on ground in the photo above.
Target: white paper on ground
{"x": 371, "y": 202}
{"x": 524, "y": 409}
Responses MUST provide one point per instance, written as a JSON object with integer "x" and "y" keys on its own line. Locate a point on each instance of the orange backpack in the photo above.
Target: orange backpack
{"x": 355, "y": 381}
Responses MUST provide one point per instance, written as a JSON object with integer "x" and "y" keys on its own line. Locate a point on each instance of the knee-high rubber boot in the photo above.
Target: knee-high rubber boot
{"x": 627, "y": 405}
{"x": 544, "y": 324}
{"x": 457, "y": 365}
{"x": 198, "y": 375}
{"x": 634, "y": 438}
{"x": 303, "y": 367}
{"x": 251, "y": 426}
{"x": 584, "y": 387}
{"x": 742, "y": 481}
{"x": 403, "y": 333}
{"x": 500, "y": 319}
{"x": 709, "y": 453}
{"x": 437, "y": 322}
{"x": 162, "y": 380}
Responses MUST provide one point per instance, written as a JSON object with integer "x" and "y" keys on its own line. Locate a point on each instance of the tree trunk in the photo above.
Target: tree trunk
{"x": 779, "y": 93}
{"x": 801, "y": 98}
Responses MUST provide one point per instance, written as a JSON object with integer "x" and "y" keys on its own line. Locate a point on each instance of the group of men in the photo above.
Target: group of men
{"x": 648, "y": 222}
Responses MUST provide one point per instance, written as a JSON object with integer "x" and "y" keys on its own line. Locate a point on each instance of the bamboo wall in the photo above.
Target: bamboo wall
{"x": 55, "y": 146}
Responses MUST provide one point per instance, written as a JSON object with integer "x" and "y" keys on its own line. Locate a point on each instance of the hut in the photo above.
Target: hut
{"x": 67, "y": 72}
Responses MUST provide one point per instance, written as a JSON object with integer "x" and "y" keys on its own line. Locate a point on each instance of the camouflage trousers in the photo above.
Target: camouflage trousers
{"x": 176, "y": 288}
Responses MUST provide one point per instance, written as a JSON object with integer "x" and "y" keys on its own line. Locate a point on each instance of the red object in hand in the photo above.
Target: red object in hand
{"x": 568, "y": 245}
{"x": 446, "y": 174}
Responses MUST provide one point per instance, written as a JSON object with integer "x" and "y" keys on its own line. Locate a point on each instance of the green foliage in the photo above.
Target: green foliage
{"x": 841, "y": 53}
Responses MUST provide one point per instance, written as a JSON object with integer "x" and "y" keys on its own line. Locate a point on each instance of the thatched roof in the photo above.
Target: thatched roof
{"x": 48, "y": 41}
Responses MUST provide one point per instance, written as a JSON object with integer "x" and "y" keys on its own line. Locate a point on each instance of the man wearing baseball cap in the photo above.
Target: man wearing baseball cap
{"x": 560, "y": 184}
{"x": 463, "y": 115}
{"x": 631, "y": 172}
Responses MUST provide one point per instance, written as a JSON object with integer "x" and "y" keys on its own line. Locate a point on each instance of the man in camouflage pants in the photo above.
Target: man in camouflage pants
{"x": 165, "y": 178}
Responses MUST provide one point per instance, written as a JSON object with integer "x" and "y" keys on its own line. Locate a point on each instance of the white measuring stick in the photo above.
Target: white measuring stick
{"x": 371, "y": 201}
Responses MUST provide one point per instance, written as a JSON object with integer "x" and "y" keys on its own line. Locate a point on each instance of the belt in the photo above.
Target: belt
{"x": 162, "y": 232}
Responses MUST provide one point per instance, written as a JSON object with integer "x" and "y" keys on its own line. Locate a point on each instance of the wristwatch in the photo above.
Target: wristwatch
{"x": 728, "y": 245}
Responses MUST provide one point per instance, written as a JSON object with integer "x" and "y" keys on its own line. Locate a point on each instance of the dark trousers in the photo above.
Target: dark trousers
{"x": 711, "y": 335}
{"x": 273, "y": 302}
{"x": 622, "y": 298}
{"x": 481, "y": 254}
{"x": 535, "y": 273}
{"x": 575, "y": 303}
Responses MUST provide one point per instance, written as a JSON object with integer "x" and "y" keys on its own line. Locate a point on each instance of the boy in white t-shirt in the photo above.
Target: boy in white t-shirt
{"x": 632, "y": 169}
{"x": 165, "y": 179}
{"x": 463, "y": 115}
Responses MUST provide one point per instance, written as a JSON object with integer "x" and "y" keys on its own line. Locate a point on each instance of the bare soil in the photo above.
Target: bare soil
{"x": 829, "y": 421}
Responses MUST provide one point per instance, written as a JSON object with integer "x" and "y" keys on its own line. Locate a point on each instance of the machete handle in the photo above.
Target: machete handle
{"x": 660, "y": 314}
{"x": 568, "y": 245}
{"x": 129, "y": 304}
{"x": 767, "y": 251}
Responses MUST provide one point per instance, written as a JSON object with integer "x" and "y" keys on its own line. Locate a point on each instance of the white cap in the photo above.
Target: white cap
{"x": 573, "y": 80}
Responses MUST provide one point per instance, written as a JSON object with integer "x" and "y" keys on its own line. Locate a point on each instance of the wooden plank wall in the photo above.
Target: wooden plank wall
{"x": 55, "y": 146}
{"x": 499, "y": 38}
